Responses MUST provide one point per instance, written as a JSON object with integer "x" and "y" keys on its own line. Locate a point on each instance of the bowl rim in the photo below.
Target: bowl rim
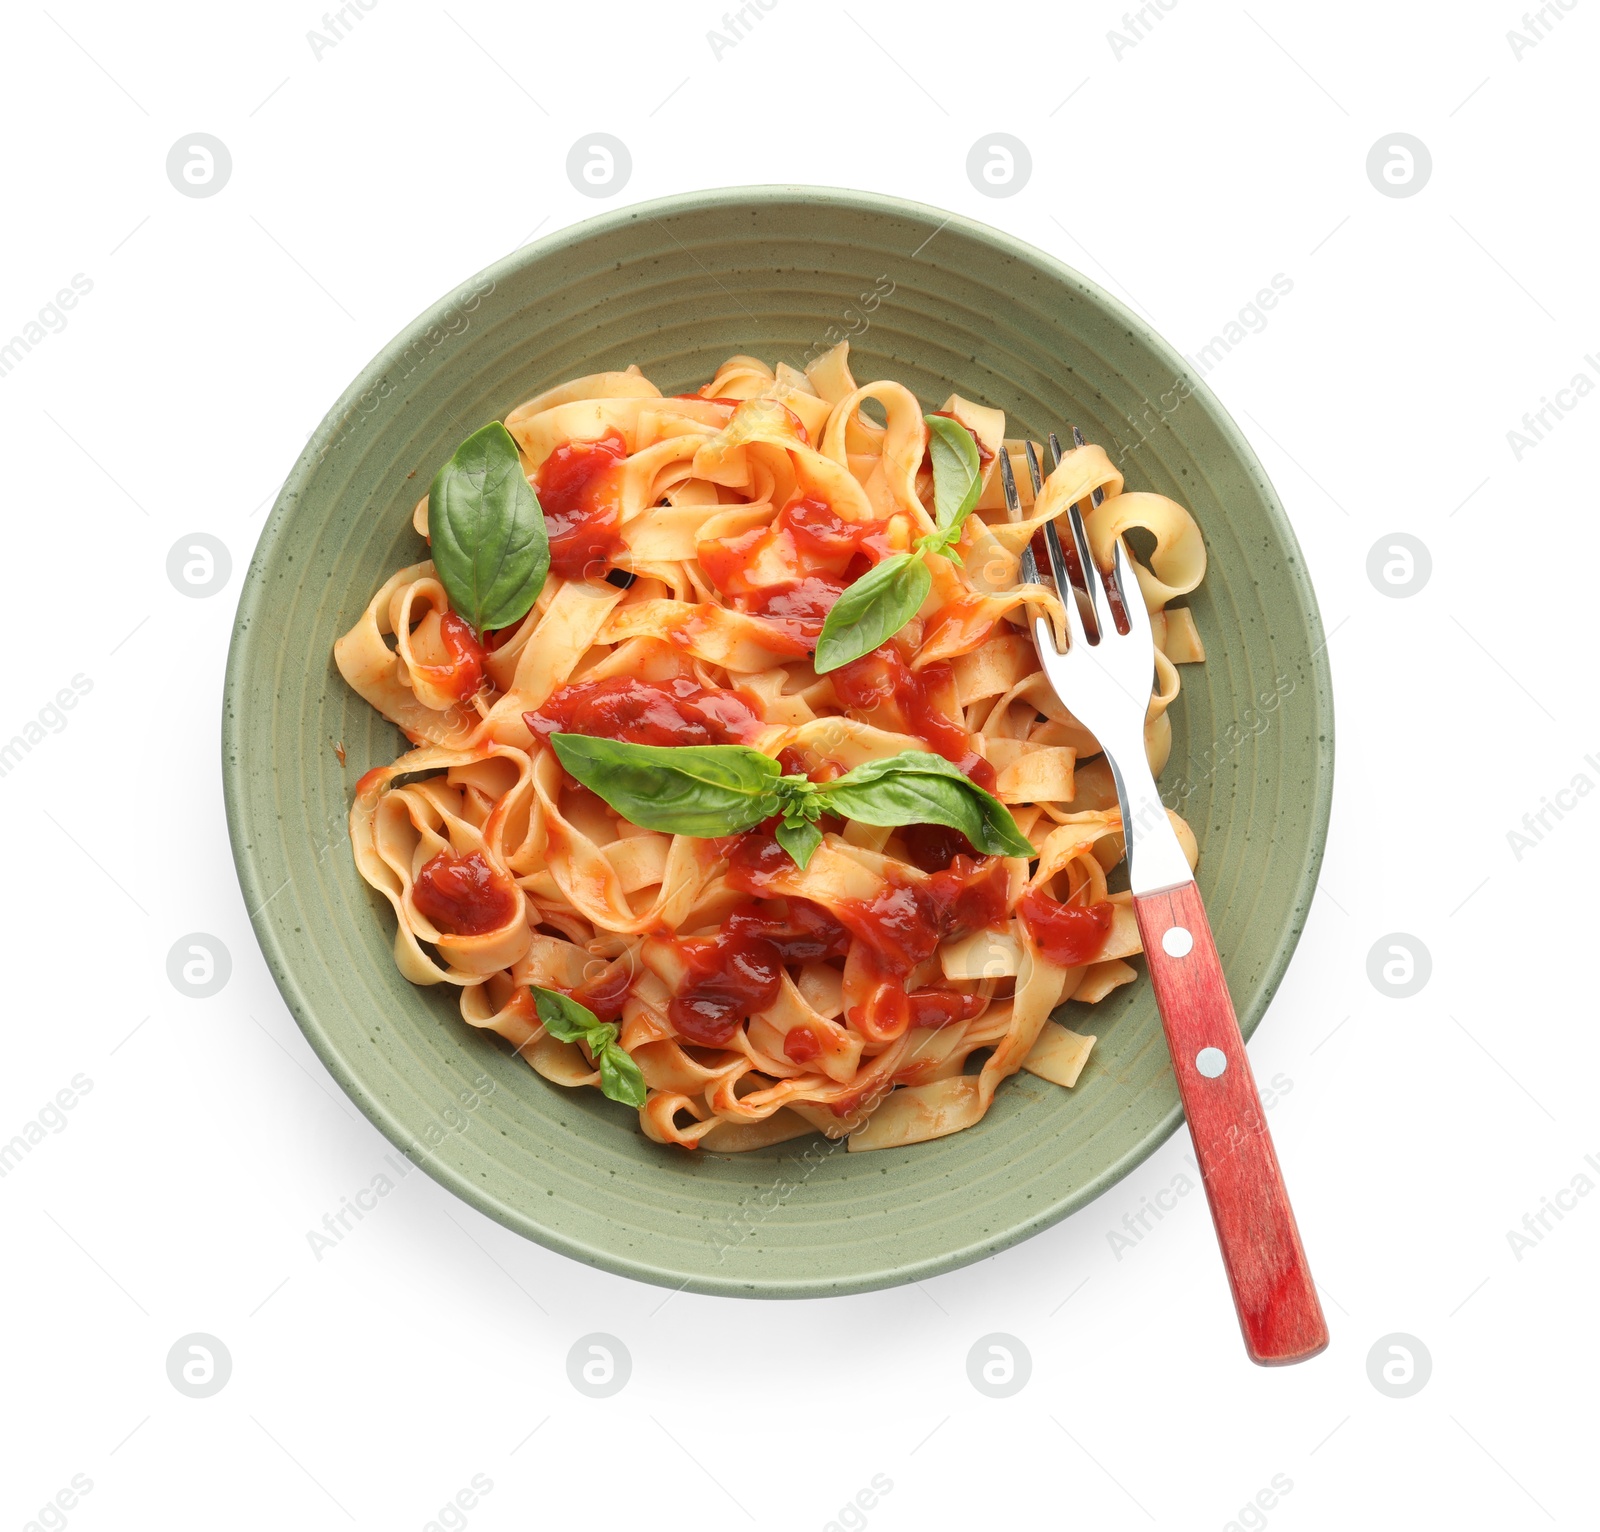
{"x": 242, "y": 649}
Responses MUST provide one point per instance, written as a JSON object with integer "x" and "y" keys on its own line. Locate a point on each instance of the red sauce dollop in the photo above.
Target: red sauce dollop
{"x": 882, "y": 689}
{"x": 970, "y": 894}
{"x": 606, "y": 993}
{"x": 934, "y": 847}
{"x": 903, "y": 923}
{"x": 756, "y": 860}
{"x": 464, "y": 895}
{"x": 800, "y": 1045}
{"x": 939, "y": 1007}
{"x": 675, "y": 712}
{"x": 817, "y": 549}
{"x": 462, "y": 674}
{"x": 898, "y": 928}
{"x": 578, "y": 492}
{"x": 1069, "y": 935}
{"x": 800, "y": 930}
{"x": 737, "y": 972}
{"x": 730, "y": 976}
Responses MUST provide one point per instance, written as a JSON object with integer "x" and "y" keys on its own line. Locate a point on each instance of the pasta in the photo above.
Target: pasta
{"x": 697, "y": 544}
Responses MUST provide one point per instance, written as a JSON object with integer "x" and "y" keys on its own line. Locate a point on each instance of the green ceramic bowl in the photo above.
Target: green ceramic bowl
{"x": 677, "y": 286}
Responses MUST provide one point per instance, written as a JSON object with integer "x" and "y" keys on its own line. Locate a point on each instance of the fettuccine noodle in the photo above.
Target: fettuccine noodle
{"x": 698, "y": 541}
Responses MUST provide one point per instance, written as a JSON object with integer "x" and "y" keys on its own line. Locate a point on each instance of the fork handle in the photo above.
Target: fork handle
{"x": 1266, "y": 1264}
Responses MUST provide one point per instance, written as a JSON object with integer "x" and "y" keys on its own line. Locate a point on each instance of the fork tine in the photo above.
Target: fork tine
{"x": 1077, "y": 550}
{"x": 1133, "y": 607}
{"x": 1033, "y": 468}
{"x": 1105, "y": 618}
{"x": 1008, "y": 482}
{"x": 1077, "y": 637}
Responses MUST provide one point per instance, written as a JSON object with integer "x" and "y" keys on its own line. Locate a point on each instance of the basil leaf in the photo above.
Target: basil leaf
{"x": 569, "y": 1022}
{"x": 702, "y": 790}
{"x": 917, "y": 787}
{"x": 564, "y": 1018}
{"x": 872, "y": 610}
{"x": 799, "y": 840}
{"x": 620, "y": 1078}
{"x": 957, "y": 473}
{"x": 488, "y": 534}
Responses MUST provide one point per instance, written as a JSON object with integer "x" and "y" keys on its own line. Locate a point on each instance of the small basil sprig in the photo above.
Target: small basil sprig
{"x": 888, "y": 596}
{"x": 489, "y": 541}
{"x": 712, "y": 790}
{"x": 568, "y": 1021}
{"x": 957, "y": 478}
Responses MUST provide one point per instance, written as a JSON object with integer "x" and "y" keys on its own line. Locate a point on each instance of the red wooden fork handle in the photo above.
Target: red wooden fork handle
{"x": 1272, "y": 1287}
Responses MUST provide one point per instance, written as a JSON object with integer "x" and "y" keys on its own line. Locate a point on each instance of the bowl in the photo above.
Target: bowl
{"x": 939, "y": 303}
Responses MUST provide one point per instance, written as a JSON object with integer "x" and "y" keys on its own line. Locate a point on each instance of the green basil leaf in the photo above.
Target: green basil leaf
{"x": 620, "y": 1078}
{"x": 917, "y": 787}
{"x": 799, "y": 840}
{"x": 703, "y": 790}
{"x": 873, "y": 610}
{"x": 564, "y": 1018}
{"x": 957, "y": 473}
{"x": 488, "y": 534}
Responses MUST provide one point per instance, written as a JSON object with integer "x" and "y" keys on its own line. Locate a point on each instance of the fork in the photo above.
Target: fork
{"x": 1105, "y": 679}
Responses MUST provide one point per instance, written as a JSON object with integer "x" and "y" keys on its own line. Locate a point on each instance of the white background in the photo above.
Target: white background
{"x": 1182, "y": 172}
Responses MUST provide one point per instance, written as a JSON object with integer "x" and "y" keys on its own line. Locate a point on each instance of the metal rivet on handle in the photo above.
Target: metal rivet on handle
{"x": 1210, "y": 1061}
{"x": 1177, "y": 941}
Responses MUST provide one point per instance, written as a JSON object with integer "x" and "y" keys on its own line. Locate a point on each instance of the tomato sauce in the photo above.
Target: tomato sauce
{"x": 737, "y": 972}
{"x": 800, "y": 1045}
{"x": 900, "y": 927}
{"x": 730, "y": 976}
{"x": 607, "y": 992}
{"x": 579, "y": 487}
{"x": 818, "y": 553}
{"x": 935, "y": 847}
{"x": 939, "y": 1007}
{"x": 674, "y": 712}
{"x": 800, "y": 930}
{"x": 882, "y": 689}
{"x": 464, "y": 895}
{"x": 461, "y": 675}
{"x": 1069, "y": 935}
{"x": 970, "y": 894}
